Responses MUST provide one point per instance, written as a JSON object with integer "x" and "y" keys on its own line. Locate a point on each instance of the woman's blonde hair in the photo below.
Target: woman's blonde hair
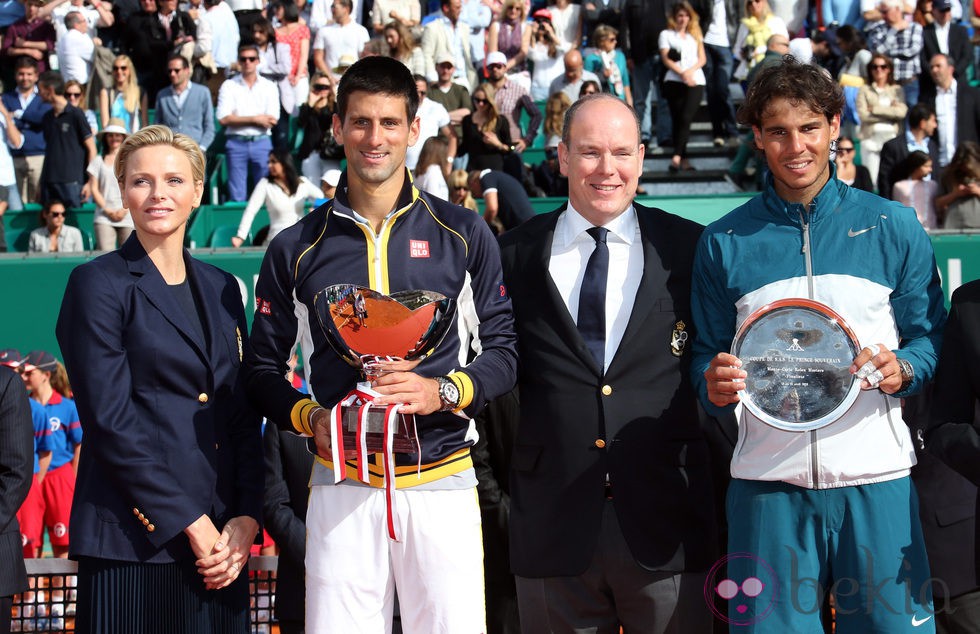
{"x": 161, "y": 135}
{"x": 514, "y": 3}
{"x": 766, "y": 9}
{"x": 457, "y": 179}
{"x": 488, "y": 92}
{"x": 603, "y": 32}
{"x": 554, "y": 113}
{"x": 130, "y": 89}
{"x": 83, "y": 102}
{"x": 59, "y": 380}
{"x": 406, "y": 41}
{"x": 693, "y": 27}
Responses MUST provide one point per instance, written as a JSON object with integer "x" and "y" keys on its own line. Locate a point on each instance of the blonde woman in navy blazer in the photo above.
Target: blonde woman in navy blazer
{"x": 169, "y": 492}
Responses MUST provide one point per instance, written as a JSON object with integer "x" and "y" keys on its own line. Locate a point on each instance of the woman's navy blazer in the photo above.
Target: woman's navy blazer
{"x": 169, "y": 434}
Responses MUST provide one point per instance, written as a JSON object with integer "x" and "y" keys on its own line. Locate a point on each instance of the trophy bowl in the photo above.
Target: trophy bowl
{"x": 797, "y": 354}
{"x": 365, "y": 327}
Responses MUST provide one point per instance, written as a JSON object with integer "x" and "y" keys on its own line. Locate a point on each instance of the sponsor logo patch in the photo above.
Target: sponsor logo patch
{"x": 418, "y": 248}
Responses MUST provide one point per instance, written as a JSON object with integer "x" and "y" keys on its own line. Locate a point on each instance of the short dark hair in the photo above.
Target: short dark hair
{"x": 249, "y": 46}
{"x": 796, "y": 82}
{"x": 183, "y": 60}
{"x": 347, "y": 3}
{"x": 25, "y": 62}
{"x": 52, "y": 79}
{"x": 377, "y": 74}
{"x": 918, "y": 113}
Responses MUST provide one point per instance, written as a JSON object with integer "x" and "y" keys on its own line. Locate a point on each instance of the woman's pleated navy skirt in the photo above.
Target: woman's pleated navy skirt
{"x": 121, "y": 597}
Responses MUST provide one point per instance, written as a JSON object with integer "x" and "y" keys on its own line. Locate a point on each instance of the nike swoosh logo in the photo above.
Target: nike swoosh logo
{"x": 916, "y": 622}
{"x": 851, "y": 233}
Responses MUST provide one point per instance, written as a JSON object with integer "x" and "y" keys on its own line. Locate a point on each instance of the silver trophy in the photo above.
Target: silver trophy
{"x": 797, "y": 354}
{"x": 365, "y": 328}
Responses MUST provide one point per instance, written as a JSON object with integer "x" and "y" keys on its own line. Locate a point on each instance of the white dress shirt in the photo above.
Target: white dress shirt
{"x": 570, "y": 252}
{"x": 942, "y": 37}
{"x": 236, "y": 98}
{"x": 946, "y": 118}
{"x": 75, "y": 51}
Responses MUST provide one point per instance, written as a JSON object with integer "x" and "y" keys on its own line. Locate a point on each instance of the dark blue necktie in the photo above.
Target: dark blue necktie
{"x": 592, "y": 297}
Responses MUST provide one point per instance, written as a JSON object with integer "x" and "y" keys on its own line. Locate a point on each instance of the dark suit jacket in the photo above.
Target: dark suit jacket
{"x": 967, "y": 112}
{"x": 195, "y": 119}
{"x": 169, "y": 435}
{"x": 947, "y": 508}
{"x": 16, "y": 470}
{"x": 288, "y": 464}
{"x": 638, "y": 422}
{"x": 894, "y": 152}
{"x": 29, "y": 123}
{"x": 954, "y": 426}
{"x": 960, "y": 49}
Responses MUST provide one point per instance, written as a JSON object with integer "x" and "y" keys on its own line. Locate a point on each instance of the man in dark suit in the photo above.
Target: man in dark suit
{"x": 612, "y": 519}
{"x": 288, "y": 464}
{"x": 954, "y": 434}
{"x": 191, "y": 114}
{"x": 917, "y": 135}
{"x": 16, "y": 469}
{"x": 957, "y": 106}
{"x": 943, "y": 35}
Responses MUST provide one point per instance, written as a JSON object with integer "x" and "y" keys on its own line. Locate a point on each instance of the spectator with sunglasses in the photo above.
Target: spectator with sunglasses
{"x": 54, "y": 236}
{"x": 69, "y": 143}
{"x": 184, "y": 106}
{"x": 319, "y": 151}
{"x": 75, "y": 94}
{"x": 248, "y": 108}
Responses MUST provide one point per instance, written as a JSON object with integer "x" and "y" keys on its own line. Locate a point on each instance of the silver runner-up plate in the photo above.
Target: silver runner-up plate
{"x": 797, "y": 354}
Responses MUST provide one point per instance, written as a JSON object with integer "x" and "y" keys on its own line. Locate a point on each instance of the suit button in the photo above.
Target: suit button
{"x": 151, "y": 528}
{"x": 136, "y": 511}
{"x": 216, "y": 446}
{"x": 146, "y": 522}
{"x": 202, "y": 398}
{"x": 141, "y": 516}
{"x": 600, "y": 443}
{"x": 606, "y": 390}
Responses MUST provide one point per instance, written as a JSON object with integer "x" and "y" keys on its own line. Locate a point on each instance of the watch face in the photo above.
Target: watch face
{"x": 450, "y": 393}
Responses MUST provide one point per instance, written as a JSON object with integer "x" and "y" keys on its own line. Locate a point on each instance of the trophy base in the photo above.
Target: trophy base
{"x": 405, "y": 439}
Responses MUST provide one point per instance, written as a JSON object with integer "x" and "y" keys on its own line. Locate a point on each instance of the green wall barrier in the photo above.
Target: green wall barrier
{"x": 33, "y": 285}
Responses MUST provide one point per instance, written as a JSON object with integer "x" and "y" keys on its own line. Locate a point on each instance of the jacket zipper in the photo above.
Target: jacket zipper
{"x": 808, "y": 262}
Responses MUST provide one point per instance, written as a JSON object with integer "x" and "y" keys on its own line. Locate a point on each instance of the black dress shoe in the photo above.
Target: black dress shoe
{"x": 674, "y": 168}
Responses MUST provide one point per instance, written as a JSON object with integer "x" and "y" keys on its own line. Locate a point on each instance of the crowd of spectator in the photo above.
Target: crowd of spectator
{"x": 489, "y": 72}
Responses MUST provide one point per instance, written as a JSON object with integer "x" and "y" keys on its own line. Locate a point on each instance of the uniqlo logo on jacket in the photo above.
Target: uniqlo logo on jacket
{"x": 418, "y": 248}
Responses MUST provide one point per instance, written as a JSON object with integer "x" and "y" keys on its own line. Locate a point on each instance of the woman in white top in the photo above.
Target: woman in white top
{"x": 546, "y": 54}
{"x": 432, "y": 168}
{"x": 567, "y": 20}
{"x": 681, "y": 47}
{"x": 913, "y": 190}
{"x": 752, "y": 37}
{"x": 112, "y": 222}
{"x": 881, "y": 107}
{"x": 283, "y": 193}
{"x": 402, "y": 46}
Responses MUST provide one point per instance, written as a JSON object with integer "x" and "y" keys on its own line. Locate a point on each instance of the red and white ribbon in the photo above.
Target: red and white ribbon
{"x": 362, "y": 399}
